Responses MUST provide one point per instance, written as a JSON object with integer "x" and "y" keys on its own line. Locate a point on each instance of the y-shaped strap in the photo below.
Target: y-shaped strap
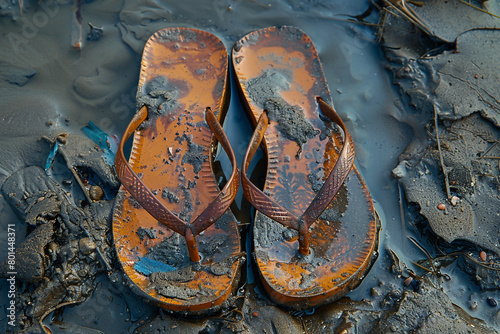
{"x": 155, "y": 208}
{"x": 325, "y": 195}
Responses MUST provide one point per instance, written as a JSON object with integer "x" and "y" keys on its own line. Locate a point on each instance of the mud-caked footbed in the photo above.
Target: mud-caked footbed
{"x": 183, "y": 71}
{"x": 278, "y": 70}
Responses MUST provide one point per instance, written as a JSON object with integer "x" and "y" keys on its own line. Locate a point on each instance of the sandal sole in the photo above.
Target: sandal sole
{"x": 278, "y": 69}
{"x": 183, "y": 71}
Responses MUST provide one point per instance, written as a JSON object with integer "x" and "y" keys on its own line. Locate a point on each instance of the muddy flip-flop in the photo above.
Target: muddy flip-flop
{"x": 175, "y": 236}
{"x": 316, "y": 230}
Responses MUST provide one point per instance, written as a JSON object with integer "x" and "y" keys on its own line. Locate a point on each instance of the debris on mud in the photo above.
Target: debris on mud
{"x": 66, "y": 246}
{"x": 448, "y": 81}
{"x": 440, "y": 55}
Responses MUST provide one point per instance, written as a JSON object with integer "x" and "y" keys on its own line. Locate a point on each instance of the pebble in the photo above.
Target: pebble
{"x": 408, "y": 281}
{"x": 255, "y": 313}
{"x": 96, "y": 193}
{"x": 492, "y": 302}
{"x": 86, "y": 246}
{"x": 482, "y": 255}
{"x": 442, "y": 206}
{"x": 454, "y": 200}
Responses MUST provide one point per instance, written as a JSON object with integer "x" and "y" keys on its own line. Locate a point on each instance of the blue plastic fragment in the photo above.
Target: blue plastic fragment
{"x": 50, "y": 159}
{"x": 107, "y": 143}
{"x": 310, "y": 311}
{"x": 147, "y": 266}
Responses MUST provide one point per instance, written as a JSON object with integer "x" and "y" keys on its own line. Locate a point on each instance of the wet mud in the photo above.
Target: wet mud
{"x": 450, "y": 172}
{"x": 437, "y": 131}
{"x": 65, "y": 251}
{"x": 265, "y": 92}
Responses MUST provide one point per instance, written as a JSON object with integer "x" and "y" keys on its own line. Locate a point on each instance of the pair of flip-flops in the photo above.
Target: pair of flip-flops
{"x": 315, "y": 232}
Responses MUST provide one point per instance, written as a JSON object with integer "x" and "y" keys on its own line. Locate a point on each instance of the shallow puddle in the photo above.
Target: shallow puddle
{"x": 97, "y": 83}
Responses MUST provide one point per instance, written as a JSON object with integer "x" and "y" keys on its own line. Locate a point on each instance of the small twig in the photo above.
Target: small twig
{"x": 402, "y": 213}
{"x": 456, "y": 254}
{"x": 472, "y": 61}
{"x": 434, "y": 270}
{"x": 98, "y": 247}
{"x": 381, "y": 30}
{"x": 260, "y": 4}
{"x": 350, "y": 20}
{"x": 422, "y": 267}
{"x": 410, "y": 15}
{"x": 479, "y": 9}
{"x": 489, "y": 149}
{"x": 443, "y": 167}
{"x": 304, "y": 325}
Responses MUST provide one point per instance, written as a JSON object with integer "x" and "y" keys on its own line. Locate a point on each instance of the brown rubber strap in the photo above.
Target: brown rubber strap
{"x": 255, "y": 196}
{"x": 224, "y": 199}
{"x": 338, "y": 174}
{"x": 137, "y": 188}
{"x": 325, "y": 195}
{"x": 155, "y": 208}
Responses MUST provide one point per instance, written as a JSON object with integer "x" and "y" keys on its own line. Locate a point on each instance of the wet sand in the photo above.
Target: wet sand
{"x": 386, "y": 94}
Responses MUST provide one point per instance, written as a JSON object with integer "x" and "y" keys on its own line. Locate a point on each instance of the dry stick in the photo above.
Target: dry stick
{"x": 443, "y": 167}
{"x": 456, "y": 254}
{"x": 381, "y": 32}
{"x": 422, "y": 267}
{"x": 489, "y": 149}
{"x": 434, "y": 270}
{"x": 410, "y": 15}
{"x": 480, "y": 9}
{"x": 348, "y": 21}
{"x": 304, "y": 326}
{"x": 260, "y": 4}
{"x": 402, "y": 213}
{"x": 98, "y": 246}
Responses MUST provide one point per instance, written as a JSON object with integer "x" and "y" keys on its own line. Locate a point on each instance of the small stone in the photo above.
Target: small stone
{"x": 454, "y": 200}
{"x": 482, "y": 256}
{"x": 96, "y": 193}
{"x": 442, "y": 207}
{"x": 473, "y": 306}
{"x": 255, "y": 314}
{"x": 408, "y": 281}
{"x": 61, "y": 139}
{"x": 86, "y": 246}
{"x": 491, "y": 301}
{"x": 95, "y": 33}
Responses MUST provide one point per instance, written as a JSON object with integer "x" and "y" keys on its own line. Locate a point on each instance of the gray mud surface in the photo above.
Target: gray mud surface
{"x": 417, "y": 86}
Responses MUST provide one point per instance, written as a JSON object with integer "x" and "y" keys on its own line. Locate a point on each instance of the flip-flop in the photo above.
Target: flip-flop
{"x": 174, "y": 233}
{"x": 316, "y": 231}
